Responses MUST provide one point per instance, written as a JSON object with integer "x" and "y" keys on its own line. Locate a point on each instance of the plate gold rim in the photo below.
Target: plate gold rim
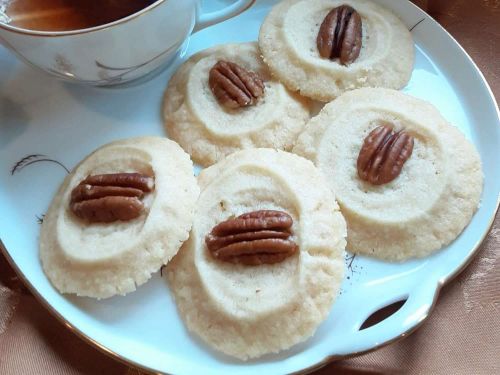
{"x": 329, "y": 359}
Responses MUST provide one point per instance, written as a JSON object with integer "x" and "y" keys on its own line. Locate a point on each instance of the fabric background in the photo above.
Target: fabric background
{"x": 462, "y": 336}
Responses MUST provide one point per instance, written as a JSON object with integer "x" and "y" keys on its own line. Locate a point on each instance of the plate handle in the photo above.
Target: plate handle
{"x": 368, "y": 298}
{"x": 211, "y": 18}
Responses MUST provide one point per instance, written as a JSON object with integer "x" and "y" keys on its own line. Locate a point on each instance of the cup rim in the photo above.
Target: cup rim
{"x": 39, "y": 33}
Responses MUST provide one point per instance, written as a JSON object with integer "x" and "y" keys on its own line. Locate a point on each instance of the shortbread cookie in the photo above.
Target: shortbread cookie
{"x": 291, "y": 47}
{"x": 406, "y": 180}
{"x": 261, "y": 282}
{"x": 120, "y": 215}
{"x": 211, "y": 112}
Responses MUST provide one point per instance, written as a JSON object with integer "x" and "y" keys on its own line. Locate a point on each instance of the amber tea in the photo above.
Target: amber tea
{"x": 65, "y": 15}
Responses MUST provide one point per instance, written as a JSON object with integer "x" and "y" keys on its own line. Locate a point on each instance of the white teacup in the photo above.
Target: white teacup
{"x": 120, "y": 51}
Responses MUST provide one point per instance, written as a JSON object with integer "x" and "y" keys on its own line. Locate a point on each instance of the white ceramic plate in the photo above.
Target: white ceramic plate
{"x": 63, "y": 123}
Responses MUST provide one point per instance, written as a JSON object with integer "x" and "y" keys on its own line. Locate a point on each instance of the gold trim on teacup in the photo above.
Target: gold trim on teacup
{"x": 19, "y": 30}
{"x": 71, "y": 77}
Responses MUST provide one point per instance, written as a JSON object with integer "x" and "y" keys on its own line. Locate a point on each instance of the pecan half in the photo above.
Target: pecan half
{"x": 110, "y": 197}
{"x": 340, "y": 35}
{"x": 133, "y": 180}
{"x": 383, "y": 155}
{"x": 234, "y": 86}
{"x": 259, "y": 237}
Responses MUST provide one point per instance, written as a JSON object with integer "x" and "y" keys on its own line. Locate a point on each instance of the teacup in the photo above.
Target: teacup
{"x": 120, "y": 51}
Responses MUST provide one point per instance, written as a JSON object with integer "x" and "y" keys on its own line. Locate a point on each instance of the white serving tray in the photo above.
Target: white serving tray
{"x": 62, "y": 123}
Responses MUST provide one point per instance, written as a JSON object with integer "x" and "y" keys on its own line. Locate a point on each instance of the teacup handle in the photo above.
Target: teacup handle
{"x": 211, "y": 18}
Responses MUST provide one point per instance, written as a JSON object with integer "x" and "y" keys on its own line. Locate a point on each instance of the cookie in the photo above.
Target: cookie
{"x": 120, "y": 215}
{"x": 255, "y": 297}
{"x": 291, "y": 47}
{"x": 407, "y": 181}
{"x": 204, "y": 119}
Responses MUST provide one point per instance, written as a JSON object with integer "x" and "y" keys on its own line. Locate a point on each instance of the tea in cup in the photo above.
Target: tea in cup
{"x": 103, "y": 42}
